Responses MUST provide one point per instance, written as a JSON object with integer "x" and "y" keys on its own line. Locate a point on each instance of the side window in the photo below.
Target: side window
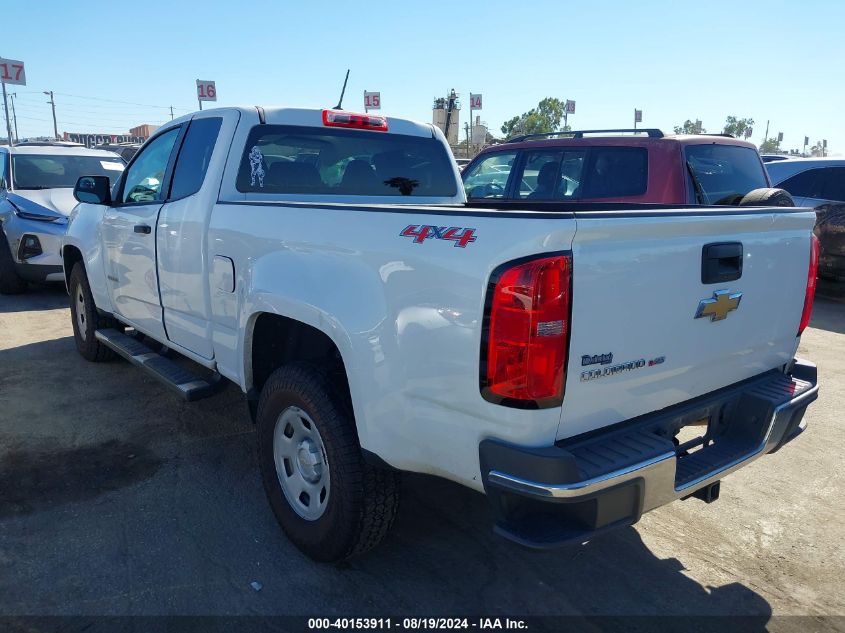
{"x": 803, "y": 185}
{"x": 540, "y": 175}
{"x": 551, "y": 175}
{"x": 145, "y": 177}
{"x": 833, "y": 184}
{"x": 723, "y": 174}
{"x": 488, "y": 178}
{"x": 194, "y": 157}
{"x": 614, "y": 172}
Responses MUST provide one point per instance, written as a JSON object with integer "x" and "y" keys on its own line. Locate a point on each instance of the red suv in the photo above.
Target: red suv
{"x": 630, "y": 166}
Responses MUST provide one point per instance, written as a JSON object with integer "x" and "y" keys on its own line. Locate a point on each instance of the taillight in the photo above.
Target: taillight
{"x": 339, "y": 118}
{"x": 526, "y": 330}
{"x": 812, "y": 273}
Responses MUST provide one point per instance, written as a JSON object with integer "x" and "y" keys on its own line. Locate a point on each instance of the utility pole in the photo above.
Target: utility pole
{"x": 14, "y": 96}
{"x": 466, "y": 127}
{"x": 171, "y": 113}
{"x": 8, "y": 121}
{"x": 766, "y": 135}
{"x": 52, "y": 102}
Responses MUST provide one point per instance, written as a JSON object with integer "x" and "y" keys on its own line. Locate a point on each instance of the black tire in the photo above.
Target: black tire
{"x": 767, "y": 197}
{"x": 86, "y": 319}
{"x": 10, "y": 282}
{"x": 363, "y": 499}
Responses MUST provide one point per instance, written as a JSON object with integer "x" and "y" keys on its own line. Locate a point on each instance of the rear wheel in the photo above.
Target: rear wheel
{"x": 10, "y": 282}
{"x": 328, "y": 500}
{"x": 86, "y": 319}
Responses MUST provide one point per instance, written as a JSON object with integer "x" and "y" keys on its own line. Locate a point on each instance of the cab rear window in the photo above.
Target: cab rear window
{"x": 320, "y": 161}
{"x": 723, "y": 174}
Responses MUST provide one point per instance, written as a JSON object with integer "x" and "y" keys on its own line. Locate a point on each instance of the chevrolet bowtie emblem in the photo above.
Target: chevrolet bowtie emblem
{"x": 717, "y": 308}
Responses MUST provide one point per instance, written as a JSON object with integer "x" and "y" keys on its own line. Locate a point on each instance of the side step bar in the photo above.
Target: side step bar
{"x": 182, "y": 381}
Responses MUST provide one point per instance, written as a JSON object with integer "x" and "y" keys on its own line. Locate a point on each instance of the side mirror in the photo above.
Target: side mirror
{"x": 93, "y": 189}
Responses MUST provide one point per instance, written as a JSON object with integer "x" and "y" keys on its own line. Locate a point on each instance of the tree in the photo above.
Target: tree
{"x": 737, "y": 127}
{"x": 817, "y": 149}
{"x": 544, "y": 118}
{"x": 690, "y": 127}
{"x": 770, "y": 146}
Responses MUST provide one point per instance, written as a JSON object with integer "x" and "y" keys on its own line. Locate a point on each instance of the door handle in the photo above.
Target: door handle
{"x": 721, "y": 262}
{"x": 143, "y": 228}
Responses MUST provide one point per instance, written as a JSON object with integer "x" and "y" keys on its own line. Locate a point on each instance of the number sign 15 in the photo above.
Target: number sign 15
{"x": 372, "y": 100}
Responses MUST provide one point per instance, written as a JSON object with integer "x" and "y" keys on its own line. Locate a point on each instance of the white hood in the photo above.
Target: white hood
{"x": 57, "y": 200}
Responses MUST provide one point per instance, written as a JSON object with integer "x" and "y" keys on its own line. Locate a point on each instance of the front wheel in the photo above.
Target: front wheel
{"x": 10, "y": 282}
{"x": 328, "y": 500}
{"x": 86, "y": 319}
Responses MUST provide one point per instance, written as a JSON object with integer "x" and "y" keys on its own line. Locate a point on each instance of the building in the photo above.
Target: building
{"x": 144, "y": 131}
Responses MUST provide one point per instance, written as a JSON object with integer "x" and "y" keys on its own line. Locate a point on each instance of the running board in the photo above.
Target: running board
{"x": 182, "y": 381}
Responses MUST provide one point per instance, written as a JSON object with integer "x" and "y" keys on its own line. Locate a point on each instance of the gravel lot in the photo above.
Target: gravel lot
{"x": 117, "y": 498}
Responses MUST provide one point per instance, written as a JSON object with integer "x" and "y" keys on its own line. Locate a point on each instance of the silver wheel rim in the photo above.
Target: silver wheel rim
{"x": 301, "y": 464}
{"x": 80, "y": 311}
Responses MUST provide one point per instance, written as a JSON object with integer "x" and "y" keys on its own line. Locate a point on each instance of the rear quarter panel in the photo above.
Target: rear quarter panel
{"x": 405, "y": 316}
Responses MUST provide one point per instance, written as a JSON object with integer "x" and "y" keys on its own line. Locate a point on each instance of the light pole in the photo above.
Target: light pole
{"x": 52, "y": 102}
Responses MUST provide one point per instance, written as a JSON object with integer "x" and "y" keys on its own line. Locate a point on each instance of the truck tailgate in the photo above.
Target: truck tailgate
{"x": 636, "y": 344}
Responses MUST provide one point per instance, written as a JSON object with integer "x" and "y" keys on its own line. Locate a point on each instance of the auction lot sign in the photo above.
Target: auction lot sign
{"x": 12, "y": 72}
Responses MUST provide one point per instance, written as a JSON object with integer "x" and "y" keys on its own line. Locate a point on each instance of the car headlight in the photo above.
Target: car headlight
{"x": 26, "y": 215}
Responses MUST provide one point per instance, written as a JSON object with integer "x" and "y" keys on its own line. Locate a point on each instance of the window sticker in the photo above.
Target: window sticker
{"x": 256, "y": 167}
{"x": 111, "y": 166}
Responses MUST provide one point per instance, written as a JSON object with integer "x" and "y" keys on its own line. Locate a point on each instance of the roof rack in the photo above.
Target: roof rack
{"x": 651, "y": 132}
{"x": 48, "y": 144}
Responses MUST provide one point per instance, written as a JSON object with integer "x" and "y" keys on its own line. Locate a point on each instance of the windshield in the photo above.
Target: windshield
{"x": 318, "y": 161}
{"x": 54, "y": 171}
{"x": 723, "y": 174}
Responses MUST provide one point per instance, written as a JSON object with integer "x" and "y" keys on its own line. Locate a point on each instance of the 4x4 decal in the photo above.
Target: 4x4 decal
{"x": 461, "y": 236}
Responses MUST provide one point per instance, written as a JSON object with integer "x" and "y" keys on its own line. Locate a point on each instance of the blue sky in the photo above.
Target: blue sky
{"x": 776, "y": 60}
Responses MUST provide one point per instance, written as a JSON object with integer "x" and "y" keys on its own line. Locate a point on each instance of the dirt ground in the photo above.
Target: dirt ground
{"x": 116, "y": 498}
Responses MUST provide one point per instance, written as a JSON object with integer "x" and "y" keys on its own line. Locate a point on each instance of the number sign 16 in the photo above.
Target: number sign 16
{"x": 12, "y": 72}
{"x": 206, "y": 91}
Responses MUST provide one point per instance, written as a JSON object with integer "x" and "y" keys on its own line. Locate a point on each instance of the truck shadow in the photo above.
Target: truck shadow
{"x": 108, "y": 476}
{"x": 37, "y": 297}
{"x": 444, "y": 530}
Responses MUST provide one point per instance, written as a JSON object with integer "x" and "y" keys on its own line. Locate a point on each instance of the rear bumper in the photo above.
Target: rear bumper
{"x": 569, "y": 492}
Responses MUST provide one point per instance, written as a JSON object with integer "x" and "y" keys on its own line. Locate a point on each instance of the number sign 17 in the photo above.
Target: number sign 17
{"x": 12, "y": 72}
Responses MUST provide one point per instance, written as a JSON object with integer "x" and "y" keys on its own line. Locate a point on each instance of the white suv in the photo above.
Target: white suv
{"x": 36, "y": 196}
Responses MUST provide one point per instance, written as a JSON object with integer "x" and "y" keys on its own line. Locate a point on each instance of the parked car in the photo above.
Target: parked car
{"x": 125, "y": 150}
{"x": 819, "y": 183}
{"x": 773, "y": 158}
{"x": 623, "y": 166}
{"x": 36, "y": 196}
{"x": 462, "y": 162}
{"x": 548, "y": 356}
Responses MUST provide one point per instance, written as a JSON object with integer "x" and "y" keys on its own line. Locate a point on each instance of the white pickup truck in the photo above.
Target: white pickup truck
{"x": 553, "y": 356}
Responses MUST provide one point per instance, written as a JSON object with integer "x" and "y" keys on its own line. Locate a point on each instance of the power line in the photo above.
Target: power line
{"x": 143, "y": 105}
